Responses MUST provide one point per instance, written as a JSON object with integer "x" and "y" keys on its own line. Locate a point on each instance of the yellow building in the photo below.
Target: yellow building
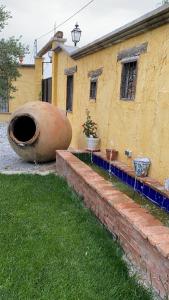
{"x": 28, "y": 87}
{"x": 123, "y": 79}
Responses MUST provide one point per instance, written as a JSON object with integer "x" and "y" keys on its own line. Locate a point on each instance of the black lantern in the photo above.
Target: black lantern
{"x": 76, "y": 34}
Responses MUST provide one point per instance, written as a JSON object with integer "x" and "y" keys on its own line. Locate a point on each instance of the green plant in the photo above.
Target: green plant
{"x": 89, "y": 127}
{"x": 11, "y": 50}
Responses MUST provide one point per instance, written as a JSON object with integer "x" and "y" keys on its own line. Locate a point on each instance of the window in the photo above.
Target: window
{"x": 4, "y": 107}
{"x": 93, "y": 88}
{"x": 4, "y": 103}
{"x": 69, "y": 93}
{"x": 128, "y": 80}
{"x": 47, "y": 89}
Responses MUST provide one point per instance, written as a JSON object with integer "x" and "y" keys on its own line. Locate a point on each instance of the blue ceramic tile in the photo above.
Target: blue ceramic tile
{"x": 112, "y": 169}
{"x": 97, "y": 160}
{"x": 99, "y": 163}
{"x": 116, "y": 171}
{"x": 102, "y": 163}
{"x": 146, "y": 190}
{"x": 128, "y": 180}
{"x": 159, "y": 199}
{"x": 131, "y": 181}
{"x": 120, "y": 175}
{"x": 142, "y": 188}
{"x": 94, "y": 158}
{"x": 152, "y": 195}
{"x": 124, "y": 177}
{"x": 105, "y": 165}
{"x": 139, "y": 186}
{"x": 166, "y": 204}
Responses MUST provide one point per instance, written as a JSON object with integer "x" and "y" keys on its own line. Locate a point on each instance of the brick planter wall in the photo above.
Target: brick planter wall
{"x": 144, "y": 239}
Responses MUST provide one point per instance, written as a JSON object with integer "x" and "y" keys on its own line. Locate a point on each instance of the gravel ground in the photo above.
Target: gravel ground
{"x": 11, "y": 163}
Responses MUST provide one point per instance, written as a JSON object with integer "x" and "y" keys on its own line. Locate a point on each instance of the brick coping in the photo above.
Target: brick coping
{"x": 151, "y": 230}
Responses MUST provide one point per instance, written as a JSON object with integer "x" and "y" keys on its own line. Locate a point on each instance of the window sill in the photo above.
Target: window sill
{"x": 92, "y": 99}
{"x": 127, "y": 99}
{"x": 5, "y": 113}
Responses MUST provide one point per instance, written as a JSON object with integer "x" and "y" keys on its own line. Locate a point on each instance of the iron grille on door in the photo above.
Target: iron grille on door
{"x": 128, "y": 80}
{"x": 69, "y": 94}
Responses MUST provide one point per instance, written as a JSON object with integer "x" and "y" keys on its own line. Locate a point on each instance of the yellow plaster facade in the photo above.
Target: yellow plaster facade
{"x": 28, "y": 87}
{"x": 141, "y": 125}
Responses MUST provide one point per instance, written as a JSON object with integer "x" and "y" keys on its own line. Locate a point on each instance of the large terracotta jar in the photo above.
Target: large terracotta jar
{"x": 37, "y": 129}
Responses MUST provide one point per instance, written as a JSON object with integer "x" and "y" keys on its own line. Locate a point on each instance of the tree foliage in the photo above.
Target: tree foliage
{"x": 10, "y": 51}
{"x": 4, "y": 16}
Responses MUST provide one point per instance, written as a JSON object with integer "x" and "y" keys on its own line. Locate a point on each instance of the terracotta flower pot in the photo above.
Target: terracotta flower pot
{"x": 111, "y": 154}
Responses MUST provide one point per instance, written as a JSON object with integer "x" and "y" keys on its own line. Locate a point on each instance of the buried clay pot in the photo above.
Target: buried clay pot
{"x": 37, "y": 129}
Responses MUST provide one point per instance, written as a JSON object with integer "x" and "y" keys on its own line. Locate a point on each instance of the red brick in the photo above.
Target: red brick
{"x": 156, "y": 239}
{"x": 140, "y": 234}
{"x": 126, "y": 204}
{"x": 163, "y": 248}
{"x": 117, "y": 198}
{"x": 149, "y": 230}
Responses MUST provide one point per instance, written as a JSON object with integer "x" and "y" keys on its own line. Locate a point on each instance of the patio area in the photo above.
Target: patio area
{"x": 11, "y": 163}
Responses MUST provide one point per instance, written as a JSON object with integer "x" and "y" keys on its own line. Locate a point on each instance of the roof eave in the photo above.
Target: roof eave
{"x": 152, "y": 20}
{"x": 45, "y": 49}
{"x": 60, "y": 47}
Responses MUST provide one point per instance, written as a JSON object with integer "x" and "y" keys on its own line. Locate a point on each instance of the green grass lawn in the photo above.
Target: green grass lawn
{"x": 52, "y": 247}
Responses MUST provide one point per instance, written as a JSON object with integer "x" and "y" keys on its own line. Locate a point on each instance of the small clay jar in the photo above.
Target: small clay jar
{"x": 111, "y": 154}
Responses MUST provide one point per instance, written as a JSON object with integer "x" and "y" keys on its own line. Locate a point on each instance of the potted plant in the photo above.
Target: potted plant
{"x": 90, "y": 131}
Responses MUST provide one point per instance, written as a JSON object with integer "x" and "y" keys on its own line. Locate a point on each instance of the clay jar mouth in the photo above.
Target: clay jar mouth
{"x": 23, "y": 129}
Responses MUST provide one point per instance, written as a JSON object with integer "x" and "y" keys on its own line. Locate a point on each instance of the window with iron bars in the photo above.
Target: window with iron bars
{"x": 4, "y": 101}
{"x": 93, "y": 89}
{"x": 128, "y": 80}
{"x": 69, "y": 93}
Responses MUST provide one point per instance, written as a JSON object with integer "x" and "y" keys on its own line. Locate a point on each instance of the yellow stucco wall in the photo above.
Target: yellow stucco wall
{"x": 38, "y": 74}
{"x": 141, "y": 125}
{"x": 28, "y": 87}
{"x": 4, "y": 117}
{"x": 25, "y": 88}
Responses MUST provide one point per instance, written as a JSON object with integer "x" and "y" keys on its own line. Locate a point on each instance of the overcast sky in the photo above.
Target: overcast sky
{"x": 33, "y": 18}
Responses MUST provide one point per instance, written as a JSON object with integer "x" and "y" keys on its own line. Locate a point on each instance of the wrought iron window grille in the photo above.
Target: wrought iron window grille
{"x": 4, "y": 96}
{"x": 128, "y": 80}
{"x": 93, "y": 88}
{"x": 69, "y": 93}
